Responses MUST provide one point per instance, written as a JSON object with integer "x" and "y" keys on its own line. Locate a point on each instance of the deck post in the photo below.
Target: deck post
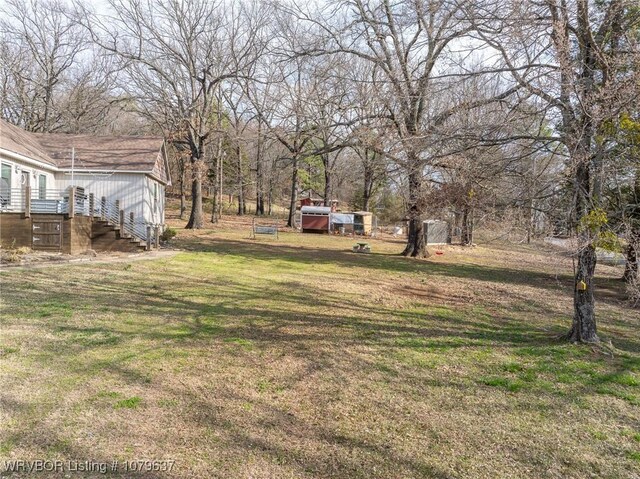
{"x": 92, "y": 203}
{"x": 156, "y": 236}
{"x": 27, "y": 201}
{"x": 148, "y": 238}
{"x": 103, "y": 208}
{"x": 121, "y": 222}
{"x": 117, "y": 203}
{"x": 72, "y": 201}
{"x": 131, "y": 221}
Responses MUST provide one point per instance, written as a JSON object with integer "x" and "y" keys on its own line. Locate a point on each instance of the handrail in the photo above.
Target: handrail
{"x": 56, "y": 201}
{"x": 12, "y": 199}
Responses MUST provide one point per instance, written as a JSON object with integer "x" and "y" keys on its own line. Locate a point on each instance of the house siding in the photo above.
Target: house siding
{"x": 134, "y": 190}
{"x": 34, "y": 174}
{"x": 155, "y": 209}
{"x": 128, "y": 188}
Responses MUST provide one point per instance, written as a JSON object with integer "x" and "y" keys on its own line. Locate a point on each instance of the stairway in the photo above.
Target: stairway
{"x": 107, "y": 237}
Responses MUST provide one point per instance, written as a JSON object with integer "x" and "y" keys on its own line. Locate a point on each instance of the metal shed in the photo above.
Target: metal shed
{"x": 315, "y": 219}
{"x": 436, "y": 232}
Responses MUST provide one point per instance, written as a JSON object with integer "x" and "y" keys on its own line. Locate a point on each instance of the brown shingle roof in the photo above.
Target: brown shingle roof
{"x": 102, "y": 153}
{"x": 19, "y": 141}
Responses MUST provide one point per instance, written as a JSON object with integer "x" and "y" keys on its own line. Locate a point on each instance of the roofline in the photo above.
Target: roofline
{"x": 90, "y": 170}
{"x": 19, "y": 157}
{"x": 85, "y": 171}
{"x": 26, "y": 159}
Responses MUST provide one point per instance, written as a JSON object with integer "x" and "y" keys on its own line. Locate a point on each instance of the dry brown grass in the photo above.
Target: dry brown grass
{"x": 296, "y": 358}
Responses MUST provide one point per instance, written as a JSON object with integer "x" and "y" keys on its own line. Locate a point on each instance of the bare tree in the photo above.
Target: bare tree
{"x": 370, "y": 135}
{"x": 39, "y": 45}
{"x": 579, "y": 59}
{"x": 280, "y": 98}
{"x": 174, "y": 56}
{"x": 407, "y": 44}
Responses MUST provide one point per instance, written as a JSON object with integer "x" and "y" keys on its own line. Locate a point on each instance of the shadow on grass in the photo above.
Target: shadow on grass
{"x": 112, "y": 325}
{"x": 608, "y": 290}
{"x": 267, "y": 314}
{"x": 386, "y": 262}
{"x": 65, "y": 457}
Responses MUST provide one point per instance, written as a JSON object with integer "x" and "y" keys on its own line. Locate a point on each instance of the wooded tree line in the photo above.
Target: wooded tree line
{"x": 419, "y": 108}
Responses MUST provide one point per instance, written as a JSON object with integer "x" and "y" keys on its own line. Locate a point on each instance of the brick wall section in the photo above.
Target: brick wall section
{"x": 79, "y": 234}
{"x": 15, "y": 230}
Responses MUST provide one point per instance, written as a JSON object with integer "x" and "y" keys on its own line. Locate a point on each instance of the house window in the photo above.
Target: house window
{"x": 42, "y": 187}
{"x": 5, "y": 184}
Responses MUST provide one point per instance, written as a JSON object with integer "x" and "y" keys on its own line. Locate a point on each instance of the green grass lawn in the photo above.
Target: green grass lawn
{"x": 296, "y": 358}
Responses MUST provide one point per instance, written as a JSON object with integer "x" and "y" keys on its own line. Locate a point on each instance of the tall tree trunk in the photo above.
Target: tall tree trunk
{"x": 583, "y": 328}
{"x": 587, "y": 189}
{"x": 633, "y": 249}
{"x": 631, "y": 266}
{"x": 270, "y": 196}
{"x": 368, "y": 188}
{"x": 47, "y": 107}
{"x": 260, "y": 204}
{"x": 416, "y": 247}
{"x": 240, "y": 203}
{"x": 530, "y": 220}
{"x": 259, "y": 196}
{"x": 531, "y": 212}
{"x": 242, "y": 209}
{"x": 259, "y": 175}
{"x": 216, "y": 207}
{"x": 327, "y": 181}
{"x": 466, "y": 234}
{"x": 196, "y": 218}
{"x": 183, "y": 203}
{"x": 294, "y": 192}
{"x": 220, "y": 181}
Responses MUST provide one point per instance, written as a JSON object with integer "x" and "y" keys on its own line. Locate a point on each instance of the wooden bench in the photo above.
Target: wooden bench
{"x": 257, "y": 229}
{"x": 361, "y": 248}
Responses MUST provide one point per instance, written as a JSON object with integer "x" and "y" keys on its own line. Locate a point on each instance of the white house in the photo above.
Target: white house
{"x": 132, "y": 170}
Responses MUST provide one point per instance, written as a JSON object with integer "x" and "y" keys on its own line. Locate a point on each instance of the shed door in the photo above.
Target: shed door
{"x": 47, "y": 235}
{"x": 315, "y": 222}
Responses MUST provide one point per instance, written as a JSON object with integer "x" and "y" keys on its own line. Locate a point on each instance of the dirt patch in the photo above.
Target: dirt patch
{"x": 43, "y": 260}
